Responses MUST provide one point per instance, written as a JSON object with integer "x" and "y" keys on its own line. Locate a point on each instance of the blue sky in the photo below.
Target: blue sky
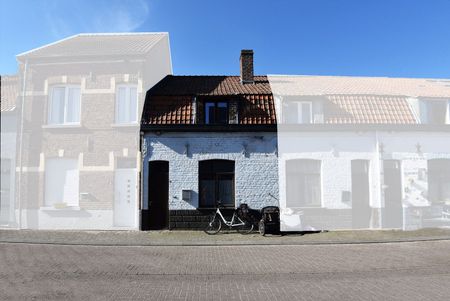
{"x": 401, "y": 38}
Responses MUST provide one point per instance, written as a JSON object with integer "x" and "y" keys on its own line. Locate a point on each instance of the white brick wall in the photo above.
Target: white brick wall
{"x": 256, "y": 170}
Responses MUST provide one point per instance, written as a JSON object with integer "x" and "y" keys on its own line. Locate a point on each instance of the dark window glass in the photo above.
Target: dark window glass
{"x": 216, "y": 113}
{"x": 216, "y": 183}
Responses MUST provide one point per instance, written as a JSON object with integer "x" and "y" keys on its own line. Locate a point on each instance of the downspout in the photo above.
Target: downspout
{"x": 22, "y": 108}
{"x": 379, "y": 182}
{"x": 141, "y": 179}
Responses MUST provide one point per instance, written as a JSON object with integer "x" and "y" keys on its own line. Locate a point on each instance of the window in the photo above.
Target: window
{"x": 298, "y": 112}
{"x": 126, "y": 104}
{"x": 61, "y": 182}
{"x": 303, "y": 183}
{"x": 216, "y": 183}
{"x": 437, "y": 112}
{"x": 216, "y": 113}
{"x": 439, "y": 180}
{"x": 64, "y": 105}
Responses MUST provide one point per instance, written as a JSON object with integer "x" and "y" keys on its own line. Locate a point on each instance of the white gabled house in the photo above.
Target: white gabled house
{"x": 78, "y": 158}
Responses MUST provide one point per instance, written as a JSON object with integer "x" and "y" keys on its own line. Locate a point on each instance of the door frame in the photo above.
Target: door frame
{"x": 136, "y": 198}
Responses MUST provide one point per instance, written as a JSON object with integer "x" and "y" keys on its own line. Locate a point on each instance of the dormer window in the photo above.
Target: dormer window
{"x": 298, "y": 112}
{"x": 216, "y": 112}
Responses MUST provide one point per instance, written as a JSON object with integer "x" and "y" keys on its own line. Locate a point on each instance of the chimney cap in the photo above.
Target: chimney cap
{"x": 247, "y": 51}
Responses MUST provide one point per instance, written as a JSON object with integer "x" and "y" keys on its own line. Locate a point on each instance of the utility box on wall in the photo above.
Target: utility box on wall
{"x": 186, "y": 195}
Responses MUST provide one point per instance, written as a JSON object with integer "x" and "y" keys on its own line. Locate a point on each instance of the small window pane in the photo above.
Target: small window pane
{"x": 133, "y": 105}
{"x": 57, "y": 106}
{"x": 291, "y": 112}
{"x": 306, "y": 112}
{"x": 73, "y": 106}
{"x": 121, "y": 105}
{"x": 222, "y": 113}
{"x": 209, "y": 113}
{"x": 207, "y": 193}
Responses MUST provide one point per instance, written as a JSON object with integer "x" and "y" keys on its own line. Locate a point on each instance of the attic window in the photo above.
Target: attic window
{"x": 298, "y": 112}
{"x": 216, "y": 112}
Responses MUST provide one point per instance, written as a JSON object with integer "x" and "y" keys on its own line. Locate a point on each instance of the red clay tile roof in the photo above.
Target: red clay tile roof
{"x": 259, "y": 109}
{"x": 368, "y": 109}
{"x": 171, "y": 100}
{"x": 9, "y": 93}
{"x": 353, "y": 85}
{"x": 210, "y": 85}
{"x": 168, "y": 110}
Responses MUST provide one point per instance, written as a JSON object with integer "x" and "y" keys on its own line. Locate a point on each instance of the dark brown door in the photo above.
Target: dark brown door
{"x": 157, "y": 217}
{"x": 393, "y": 210}
{"x": 360, "y": 194}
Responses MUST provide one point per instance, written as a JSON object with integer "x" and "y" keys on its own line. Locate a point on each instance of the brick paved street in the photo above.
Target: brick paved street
{"x": 389, "y": 271}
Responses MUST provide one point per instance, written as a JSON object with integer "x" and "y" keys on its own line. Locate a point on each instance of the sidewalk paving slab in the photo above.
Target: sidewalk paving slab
{"x": 199, "y": 238}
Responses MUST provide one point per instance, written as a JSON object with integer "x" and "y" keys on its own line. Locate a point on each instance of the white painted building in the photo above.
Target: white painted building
{"x": 342, "y": 153}
{"x": 373, "y": 152}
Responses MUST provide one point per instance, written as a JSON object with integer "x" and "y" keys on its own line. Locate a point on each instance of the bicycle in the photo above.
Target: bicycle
{"x": 242, "y": 225}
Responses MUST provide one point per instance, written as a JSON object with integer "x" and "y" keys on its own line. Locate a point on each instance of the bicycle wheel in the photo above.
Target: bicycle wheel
{"x": 262, "y": 228}
{"x": 213, "y": 226}
{"x": 246, "y": 228}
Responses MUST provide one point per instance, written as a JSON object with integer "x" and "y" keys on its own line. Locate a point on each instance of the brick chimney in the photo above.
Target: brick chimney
{"x": 246, "y": 61}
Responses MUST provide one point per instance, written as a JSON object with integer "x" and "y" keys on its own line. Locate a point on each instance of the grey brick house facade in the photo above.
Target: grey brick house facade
{"x": 78, "y": 157}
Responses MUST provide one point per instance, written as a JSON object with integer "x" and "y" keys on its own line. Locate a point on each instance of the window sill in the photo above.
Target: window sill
{"x": 61, "y": 126}
{"x": 215, "y": 208}
{"x": 125, "y": 125}
{"x": 68, "y": 208}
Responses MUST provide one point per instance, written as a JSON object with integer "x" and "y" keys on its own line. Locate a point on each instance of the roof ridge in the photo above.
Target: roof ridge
{"x": 359, "y": 77}
{"x": 210, "y": 75}
{"x": 86, "y": 34}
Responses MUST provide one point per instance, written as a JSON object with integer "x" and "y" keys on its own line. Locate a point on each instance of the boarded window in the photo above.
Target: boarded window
{"x": 61, "y": 182}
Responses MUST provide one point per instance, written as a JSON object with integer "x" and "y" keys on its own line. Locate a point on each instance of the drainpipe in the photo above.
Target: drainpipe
{"x": 22, "y": 108}
{"x": 378, "y": 179}
{"x": 141, "y": 179}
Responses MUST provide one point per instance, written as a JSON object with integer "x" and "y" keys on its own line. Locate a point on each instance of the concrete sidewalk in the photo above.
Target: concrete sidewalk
{"x": 199, "y": 238}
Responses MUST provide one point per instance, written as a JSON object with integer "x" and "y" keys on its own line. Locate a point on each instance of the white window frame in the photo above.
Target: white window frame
{"x": 66, "y": 99}
{"x": 447, "y": 119}
{"x": 300, "y": 112}
{"x": 299, "y": 119}
{"x": 127, "y": 99}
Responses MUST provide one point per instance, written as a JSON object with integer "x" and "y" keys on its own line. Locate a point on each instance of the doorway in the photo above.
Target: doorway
{"x": 125, "y": 180}
{"x": 360, "y": 194}
{"x": 157, "y": 215}
{"x": 393, "y": 210}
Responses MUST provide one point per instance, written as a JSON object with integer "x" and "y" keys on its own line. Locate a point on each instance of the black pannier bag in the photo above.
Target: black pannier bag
{"x": 247, "y": 214}
{"x": 270, "y": 220}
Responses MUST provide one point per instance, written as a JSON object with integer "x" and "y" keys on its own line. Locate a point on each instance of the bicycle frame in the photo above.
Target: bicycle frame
{"x": 233, "y": 219}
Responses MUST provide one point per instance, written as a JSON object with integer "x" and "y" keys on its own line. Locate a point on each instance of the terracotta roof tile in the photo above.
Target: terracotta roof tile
{"x": 209, "y": 85}
{"x": 368, "y": 109}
